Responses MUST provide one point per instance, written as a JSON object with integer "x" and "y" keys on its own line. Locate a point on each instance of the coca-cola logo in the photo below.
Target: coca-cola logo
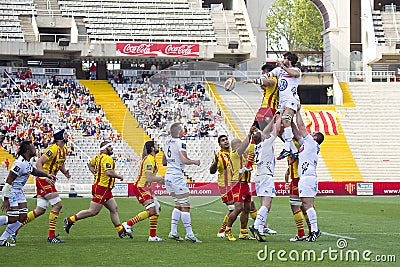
{"x": 157, "y": 49}
{"x": 137, "y": 49}
{"x": 178, "y": 50}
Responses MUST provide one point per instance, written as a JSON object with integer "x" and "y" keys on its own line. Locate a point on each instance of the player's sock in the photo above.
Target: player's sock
{"x": 140, "y": 217}
{"x": 228, "y": 229}
{"x": 261, "y": 219}
{"x": 176, "y": 215}
{"x": 119, "y": 228}
{"x": 298, "y": 219}
{"x": 52, "y": 223}
{"x": 3, "y": 220}
{"x": 288, "y": 137}
{"x": 72, "y": 219}
{"x": 30, "y": 217}
{"x": 185, "y": 217}
{"x": 244, "y": 231}
{"x": 312, "y": 216}
{"x": 253, "y": 214}
{"x": 153, "y": 225}
{"x": 224, "y": 222}
{"x": 10, "y": 229}
{"x": 307, "y": 221}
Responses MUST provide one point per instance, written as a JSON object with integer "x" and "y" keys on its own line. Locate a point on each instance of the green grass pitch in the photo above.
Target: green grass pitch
{"x": 372, "y": 223}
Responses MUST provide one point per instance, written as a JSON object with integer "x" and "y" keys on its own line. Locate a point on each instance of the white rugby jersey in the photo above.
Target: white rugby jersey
{"x": 22, "y": 168}
{"x": 287, "y": 84}
{"x": 308, "y": 157}
{"x": 172, "y": 150}
{"x": 264, "y": 156}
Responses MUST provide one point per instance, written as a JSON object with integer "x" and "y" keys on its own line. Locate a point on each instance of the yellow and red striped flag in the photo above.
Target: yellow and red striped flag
{"x": 323, "y": 121}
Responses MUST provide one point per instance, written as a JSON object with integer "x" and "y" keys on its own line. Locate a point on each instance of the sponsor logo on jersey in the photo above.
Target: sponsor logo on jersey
{"x": 108, "y": 165}
{"x": 17, "y": 169}
{"x": 149, "y": 167}
{"x": 49, "y": 153}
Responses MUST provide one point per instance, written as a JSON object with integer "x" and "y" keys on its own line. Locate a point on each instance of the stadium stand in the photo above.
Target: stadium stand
{"x": 10, "y": 21}
{"x": 110, "y": 20}
{"x": 156, "y": 107}
{"x": 374, "y": 146}
{"x": 43, "y": 106}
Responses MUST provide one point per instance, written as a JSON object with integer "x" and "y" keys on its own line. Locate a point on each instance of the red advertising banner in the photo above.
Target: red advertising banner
{"x": 158, "y": 49}
{"x": 325, "y": 189}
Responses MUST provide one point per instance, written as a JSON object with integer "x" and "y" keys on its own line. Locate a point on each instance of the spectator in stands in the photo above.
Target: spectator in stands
{"x": 4, "y": 83}
{"x": 329, "y": 95}
{"x": 93, "y": 72}
{"x": 6, "y": 164}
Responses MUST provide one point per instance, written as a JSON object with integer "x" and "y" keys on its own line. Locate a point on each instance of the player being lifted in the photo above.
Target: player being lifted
{"x": 289, "y": 77}
{"x": 147, "y": 174}
{"x": 175, "y": 158}
{"x": 270, "y": 101}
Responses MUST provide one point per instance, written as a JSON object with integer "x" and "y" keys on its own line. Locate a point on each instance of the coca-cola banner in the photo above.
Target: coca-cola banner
{"x": 157, "y": 49}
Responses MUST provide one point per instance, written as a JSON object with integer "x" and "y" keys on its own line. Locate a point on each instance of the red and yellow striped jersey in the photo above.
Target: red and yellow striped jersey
{"x": 271, "y": 96}
{"x": 295, "y": 166}
{"x": 56, "y": 157}
{"x": 102, "y": 163}
{"x": 225, "y": 168}
{"x": 148, "y": 164}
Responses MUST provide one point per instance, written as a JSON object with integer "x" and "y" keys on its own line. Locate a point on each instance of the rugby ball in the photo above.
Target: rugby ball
{"x": 229, "y": 84}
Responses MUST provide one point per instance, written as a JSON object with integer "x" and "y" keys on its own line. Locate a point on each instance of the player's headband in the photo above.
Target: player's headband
{"x": 105, "y": 146}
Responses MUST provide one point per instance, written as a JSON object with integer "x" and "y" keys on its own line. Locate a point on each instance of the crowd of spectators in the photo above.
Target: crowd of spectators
{"x": 72, "y": 106}
{"x": 155, "y": 106}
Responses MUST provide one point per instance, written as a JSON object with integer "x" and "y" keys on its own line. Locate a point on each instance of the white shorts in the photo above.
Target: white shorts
{"x": 176, "y": 184}
{"x": 265, "y": 186}
{"x": 289, "y": 103}
{"x": 17, "y": 196}
{"x": 308, "y": 186}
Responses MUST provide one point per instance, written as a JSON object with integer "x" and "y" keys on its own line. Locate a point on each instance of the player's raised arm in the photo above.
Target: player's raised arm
{"x": 300, "y": 123}
{"x": 242, "y": 148}
{"x": 214, "y": 165}
{"x": 261, "y": 81}
{"x": 296, "y": 133}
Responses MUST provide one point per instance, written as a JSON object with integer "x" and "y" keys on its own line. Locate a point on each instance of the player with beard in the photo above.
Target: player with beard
{"x": 103, "y": 168}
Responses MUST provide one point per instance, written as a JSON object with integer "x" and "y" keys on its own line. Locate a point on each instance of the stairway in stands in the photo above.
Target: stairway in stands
{"x": 3, "y": 156}
{"x": 121, "y": 118}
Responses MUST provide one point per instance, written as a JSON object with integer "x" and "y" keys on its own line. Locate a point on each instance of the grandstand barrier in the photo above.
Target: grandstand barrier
{"x": 210, "y": 189}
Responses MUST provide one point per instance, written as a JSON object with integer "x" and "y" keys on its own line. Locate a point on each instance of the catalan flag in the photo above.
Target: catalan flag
{"x": 323, "y": 121}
